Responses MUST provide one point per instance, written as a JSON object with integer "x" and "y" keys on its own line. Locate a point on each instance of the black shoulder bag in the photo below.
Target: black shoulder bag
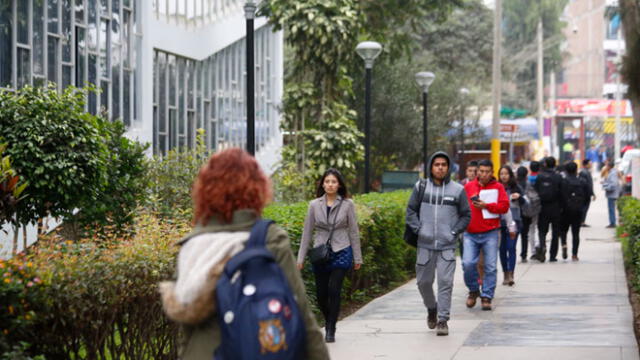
{"x": 410, "y": 237}
{"x": 321, "y": 254}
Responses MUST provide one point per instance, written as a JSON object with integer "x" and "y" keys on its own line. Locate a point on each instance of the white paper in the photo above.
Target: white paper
{"x": 489, "y": 196}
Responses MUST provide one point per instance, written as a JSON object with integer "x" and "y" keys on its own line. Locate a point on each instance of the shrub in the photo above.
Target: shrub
{"x": 99, "y": 300}
{"x": 629, "y": 234}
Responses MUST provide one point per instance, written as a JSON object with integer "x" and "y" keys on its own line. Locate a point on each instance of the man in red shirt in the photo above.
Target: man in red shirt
{"x": 487, "y": 199}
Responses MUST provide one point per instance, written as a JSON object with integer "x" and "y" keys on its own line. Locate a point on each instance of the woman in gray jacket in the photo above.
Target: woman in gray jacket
{"x": 611, "y": 186}
{"x": 331, "y": 208}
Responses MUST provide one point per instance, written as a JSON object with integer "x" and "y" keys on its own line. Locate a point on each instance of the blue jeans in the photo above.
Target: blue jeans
{"x": 508, "y": 249}
{"x": 612, "y": 210}
{"x": 473, "y": 243}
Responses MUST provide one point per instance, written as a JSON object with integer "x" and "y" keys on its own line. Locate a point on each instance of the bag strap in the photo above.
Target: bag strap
{"x": 333, "y": 225}
{"x": 258, "y": 236}
{"x": 421, "y": 188}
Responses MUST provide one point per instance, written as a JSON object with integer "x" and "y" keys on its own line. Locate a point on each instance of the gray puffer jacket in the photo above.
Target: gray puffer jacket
{"x": 444, "y": 211}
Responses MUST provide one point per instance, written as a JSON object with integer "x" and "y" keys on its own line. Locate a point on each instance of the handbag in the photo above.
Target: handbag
{"x": 409, "y": 236}
{"x": 321, "y": 254}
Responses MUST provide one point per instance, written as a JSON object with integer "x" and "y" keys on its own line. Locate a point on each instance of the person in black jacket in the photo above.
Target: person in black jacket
{"x": 575, "y": 194}
{"x": 585, "y": 174}
{"x": 549, "y": 187}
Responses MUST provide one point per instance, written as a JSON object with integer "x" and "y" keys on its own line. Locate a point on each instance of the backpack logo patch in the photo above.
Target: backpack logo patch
{"x": 272, "y": 336}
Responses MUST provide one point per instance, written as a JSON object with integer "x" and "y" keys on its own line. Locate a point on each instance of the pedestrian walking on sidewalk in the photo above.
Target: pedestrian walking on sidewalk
{"x": 611, "y": 186}
{"x": 437, "y": 218}
{"x": 585, "y": 174}
{"x": 549, "y": 186}
{"x": 575, "y": 194}
{"x": 331, "y": 221}
{"x": 488, "y": 200}
{"x": 229, "y": 195}
{"x": 471, "y": 172}
{"x": 510, "y": 227}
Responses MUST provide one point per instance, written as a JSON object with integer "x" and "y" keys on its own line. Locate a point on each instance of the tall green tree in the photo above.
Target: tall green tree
{"x": 520, "y": 21}
{"x": 630, "y": 11}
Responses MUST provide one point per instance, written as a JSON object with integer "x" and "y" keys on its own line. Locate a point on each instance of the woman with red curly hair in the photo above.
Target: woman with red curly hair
{"x": 229, "y": 195}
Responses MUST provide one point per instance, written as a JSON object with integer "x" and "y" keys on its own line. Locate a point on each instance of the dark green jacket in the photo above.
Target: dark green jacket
{"x": 201, "y": 341}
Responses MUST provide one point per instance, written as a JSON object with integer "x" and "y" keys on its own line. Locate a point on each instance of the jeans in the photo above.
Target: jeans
{"x": 612, "y": 211}
{"x": 508, "y": 249}
{"x": 488, "y": 243}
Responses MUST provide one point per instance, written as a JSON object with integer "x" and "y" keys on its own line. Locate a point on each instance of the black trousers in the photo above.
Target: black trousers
{"x": 550, "y": 215}
{"x": 328, "y": 289}
{"x": 524, "y": 236}
{"x": 585, "y": 209}
{"x": 573, "y": 220}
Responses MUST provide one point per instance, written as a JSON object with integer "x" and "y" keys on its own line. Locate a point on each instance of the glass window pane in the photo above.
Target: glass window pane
{"x": 161, "y": 88}
{"x": 115, "y": 22}
{"x": 104, "y": 6}
{"x": 6, "y": 54}
{"x": 38, "y": 37}
{"x": 125, "y": 38}
{"x": 126, "y": 3}
{"x": 52, "y": 15}
{"x": 104, "y": 96}
{"x": 66, "y": 30}
{"x": 172, "y": 128}
{"x": 80, "y": 57}
{"x": 52, "y": 59}
{"x": 66, "y": 76}
{"x": 115, "y": 91}
{"x": 104, "y": 46}
{"x": 126, "y": 99}
{"x": 162, "y": 140}
{"x": 23, "y": 67}
{"x": 80, "y": 11}
{"x": 172, "y": 80}
{"x": 23, "y": 21}
{"x": 93, "y": 100}
{"x": 92, "y": 34}
{"x": 181, "y": 95}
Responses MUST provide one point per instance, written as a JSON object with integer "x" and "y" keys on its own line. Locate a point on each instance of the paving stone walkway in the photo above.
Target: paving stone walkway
{"x": 564, "y": 310}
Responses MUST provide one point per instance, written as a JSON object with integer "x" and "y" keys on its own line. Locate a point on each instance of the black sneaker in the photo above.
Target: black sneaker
{"x": 443, "y": 329}
{"x": 432, "y": 318}
{"x": 565, "y": 254}
{"x": 553, "y": 260}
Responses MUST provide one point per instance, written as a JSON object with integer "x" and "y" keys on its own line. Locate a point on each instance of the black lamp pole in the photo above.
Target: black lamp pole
{"x": 250, "y": 11}
{"x": 425, "y": 141}
{"x": 367, "y": 130}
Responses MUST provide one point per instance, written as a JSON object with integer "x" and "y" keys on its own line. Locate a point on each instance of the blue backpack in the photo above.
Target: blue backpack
{"x": 258, "y": 314}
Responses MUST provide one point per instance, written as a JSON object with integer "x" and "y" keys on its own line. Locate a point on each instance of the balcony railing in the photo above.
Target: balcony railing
{"x": 196, "y": 13}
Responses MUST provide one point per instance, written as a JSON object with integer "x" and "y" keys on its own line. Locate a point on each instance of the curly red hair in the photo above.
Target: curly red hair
{"x": 230, "y": 181}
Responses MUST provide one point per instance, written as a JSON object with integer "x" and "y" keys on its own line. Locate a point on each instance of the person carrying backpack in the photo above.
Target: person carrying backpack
{"x": 437, "y": 213}
{"x": 575, "y": 193}
{"x": 332, "y": 226}
{"x": 530, "y": 209}
{"x": 549, "y": 186}
{"x": 238, "y": 294}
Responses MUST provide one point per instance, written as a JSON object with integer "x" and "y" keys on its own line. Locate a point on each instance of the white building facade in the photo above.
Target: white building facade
{"x": 164, "y": 67}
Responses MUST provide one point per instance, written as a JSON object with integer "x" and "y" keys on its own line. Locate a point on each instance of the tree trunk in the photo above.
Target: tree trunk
{"x": 630, "y": 13}
{"x": 24, "y": 238}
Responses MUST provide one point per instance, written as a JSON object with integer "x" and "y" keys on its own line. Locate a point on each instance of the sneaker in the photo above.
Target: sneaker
{"x": 585, "y": 225}
{"x": 471, "y": 299}
{"x": 574, "y": 258}
{"x": 553, "y": 260}
{"x": 565, "y": 254}
{"x": 443, "y": 329}
{"x": 533, "y": 257}
{"x": 432, "y": 318}
{"x": 610, "y": 226}
{"x": 524, "y": 259}
{"x": 486, "y": 303}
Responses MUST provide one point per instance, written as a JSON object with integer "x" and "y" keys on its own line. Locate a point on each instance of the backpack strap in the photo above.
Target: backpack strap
{"x": 247, "y": 254}
{"x": 258, "y": 237}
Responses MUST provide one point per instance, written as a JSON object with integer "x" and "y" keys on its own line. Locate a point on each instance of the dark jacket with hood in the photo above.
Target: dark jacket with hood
{"x": 444, "y": 212}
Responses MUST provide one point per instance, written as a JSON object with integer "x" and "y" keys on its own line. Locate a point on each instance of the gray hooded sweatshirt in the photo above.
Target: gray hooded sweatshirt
{"x": 444, "y": 212}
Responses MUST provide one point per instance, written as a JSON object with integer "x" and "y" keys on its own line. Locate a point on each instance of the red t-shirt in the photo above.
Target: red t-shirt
{"x": 478, "y": 223}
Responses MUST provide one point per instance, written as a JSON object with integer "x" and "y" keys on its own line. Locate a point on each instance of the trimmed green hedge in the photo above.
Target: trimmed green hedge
{"x": 99, "y": 300}
{"x": 629, "y": 234}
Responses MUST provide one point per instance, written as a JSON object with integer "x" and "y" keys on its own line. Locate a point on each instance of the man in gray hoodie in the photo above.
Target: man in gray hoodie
{"x": 438, "y": 218}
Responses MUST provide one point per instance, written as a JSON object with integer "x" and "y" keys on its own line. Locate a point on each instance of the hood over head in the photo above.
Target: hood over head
{"x": 440, "y": 154}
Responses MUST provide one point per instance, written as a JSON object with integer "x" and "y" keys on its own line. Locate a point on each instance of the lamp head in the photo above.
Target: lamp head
{"x": 368, "y": 51}
{"x": 424, "y": 80}
{"x": 250, "y": 9}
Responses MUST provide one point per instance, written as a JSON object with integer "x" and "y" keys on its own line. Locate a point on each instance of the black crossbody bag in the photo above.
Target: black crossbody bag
{"x": 410, "y": 237}
{"x": 321, "y": 254}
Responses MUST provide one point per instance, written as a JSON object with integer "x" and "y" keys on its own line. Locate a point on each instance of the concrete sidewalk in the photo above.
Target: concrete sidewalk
{"x": 564, "y": 310}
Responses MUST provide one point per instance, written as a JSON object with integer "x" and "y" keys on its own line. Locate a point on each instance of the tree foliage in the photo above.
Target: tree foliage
{"x": 12, "y": 187}
{"x": 520, "y": 21}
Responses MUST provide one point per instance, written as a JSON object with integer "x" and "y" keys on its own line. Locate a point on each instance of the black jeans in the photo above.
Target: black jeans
{"x": 550, "y": 215}
{"x": 524, "y": 236}
{"x": 585, "y": 209}
{"x": 328, "y": 289}
{"x": 571, "y": 219}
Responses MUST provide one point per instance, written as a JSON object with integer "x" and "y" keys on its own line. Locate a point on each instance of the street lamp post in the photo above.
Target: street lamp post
{"x": 464, "y": 92}
{"x": 368, "y": 51}
{"x": 250, "y": 13}
{"x": 424, "y": 80}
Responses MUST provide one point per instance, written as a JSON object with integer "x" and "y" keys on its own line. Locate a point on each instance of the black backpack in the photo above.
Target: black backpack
{"x": 545, "y": 188}
{"x": 576, "y": 198}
